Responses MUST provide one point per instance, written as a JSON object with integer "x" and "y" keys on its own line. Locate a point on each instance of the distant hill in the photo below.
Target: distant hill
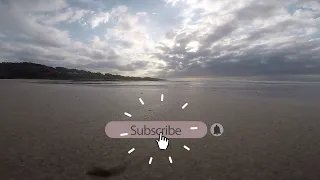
{"x": 27, "y": 70}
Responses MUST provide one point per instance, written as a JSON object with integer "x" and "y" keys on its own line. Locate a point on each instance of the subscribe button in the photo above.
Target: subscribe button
{"x": 152, "y": 129}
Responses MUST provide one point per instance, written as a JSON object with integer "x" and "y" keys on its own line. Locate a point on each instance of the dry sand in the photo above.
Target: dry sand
{"x": 56, "y": 131}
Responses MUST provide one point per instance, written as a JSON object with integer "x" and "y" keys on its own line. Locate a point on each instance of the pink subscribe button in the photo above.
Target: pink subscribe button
{"x": 152, "y": 129}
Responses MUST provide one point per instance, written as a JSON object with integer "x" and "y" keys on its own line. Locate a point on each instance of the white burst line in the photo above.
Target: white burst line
{"x": 127, "y": 114}
{"x": 161, "y": 97}
{"x": 170, "y": 159}
{"x": 150, "y": 160}
{"x": 193, "y": 128}
{"x": 124, "y": 134}
{"x": 131, "y": 150}
{"x": 185, "y": 105}
{"x": 141, "y": 101}
{"x": 186, "y": 147}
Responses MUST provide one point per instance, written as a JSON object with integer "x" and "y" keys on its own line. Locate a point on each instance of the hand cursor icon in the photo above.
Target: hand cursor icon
{"x": 163, "y": 142}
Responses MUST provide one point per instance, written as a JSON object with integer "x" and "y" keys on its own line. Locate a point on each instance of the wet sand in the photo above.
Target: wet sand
{"x": 56, "y": 131}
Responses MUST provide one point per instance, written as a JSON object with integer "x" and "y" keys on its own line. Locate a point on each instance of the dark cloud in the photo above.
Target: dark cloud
{"x": 35, "y": 5}
{"x": 258, "y": 9}
{"x": 219, "y": 33}
{"x": 258, "y": 61}
{"x": 283, "y": 48}
{"x": 255, "y": 10}
{"x": 115, "y": 65}
{"x": 16, "y": 23}
{"x": 282, "y": 27}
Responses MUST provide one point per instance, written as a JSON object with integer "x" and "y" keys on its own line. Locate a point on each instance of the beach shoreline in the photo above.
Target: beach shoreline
{"x": 56, "y": 131}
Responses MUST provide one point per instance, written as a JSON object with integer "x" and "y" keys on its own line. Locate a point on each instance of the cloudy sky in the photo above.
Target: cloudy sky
{"x": 165, "y": 38}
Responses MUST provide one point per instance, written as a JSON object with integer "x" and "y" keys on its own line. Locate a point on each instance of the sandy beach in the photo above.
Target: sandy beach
{"x": 55, "y": 130}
